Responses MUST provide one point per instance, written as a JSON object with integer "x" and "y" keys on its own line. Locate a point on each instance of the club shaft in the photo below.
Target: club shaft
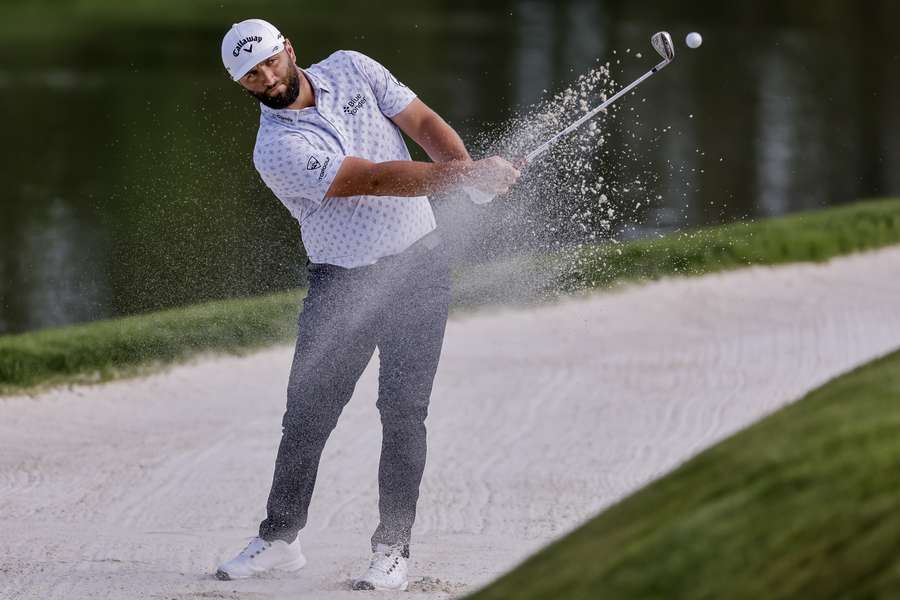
{"x": 593, "y": 112}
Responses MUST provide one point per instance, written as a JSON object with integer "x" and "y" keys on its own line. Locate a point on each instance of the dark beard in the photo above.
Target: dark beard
{"x": 285, "y": 99}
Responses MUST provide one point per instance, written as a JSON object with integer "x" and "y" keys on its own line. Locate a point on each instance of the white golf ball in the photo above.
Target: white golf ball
{"x": 693, "y": 40}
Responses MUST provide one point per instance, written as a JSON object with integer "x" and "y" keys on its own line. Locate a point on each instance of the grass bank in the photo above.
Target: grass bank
{"x": 102, "y": 350}
{"x": 801, "y": 505}
{"x": 803, "y": 237}
{"x": 106, "y": 349}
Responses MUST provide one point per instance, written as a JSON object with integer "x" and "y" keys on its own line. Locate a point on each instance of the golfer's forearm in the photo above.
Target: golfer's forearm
{"x": 431, "y": 132}
{"x": 440, "y": 141}
{"x": 359, "y": 177}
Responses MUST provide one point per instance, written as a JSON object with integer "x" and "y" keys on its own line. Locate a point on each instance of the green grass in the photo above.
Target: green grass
{"x": 804, "y": 237}
{"x": 813, "y": 236}
{"x": 803, "y": 505}
{"x": 107, "y": 349}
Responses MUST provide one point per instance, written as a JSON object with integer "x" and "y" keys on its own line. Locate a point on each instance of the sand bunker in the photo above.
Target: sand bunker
{"x": 540, "y": 418}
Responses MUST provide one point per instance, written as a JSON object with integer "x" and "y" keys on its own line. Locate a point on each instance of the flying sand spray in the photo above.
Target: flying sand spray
{"x": 661, "y": 42}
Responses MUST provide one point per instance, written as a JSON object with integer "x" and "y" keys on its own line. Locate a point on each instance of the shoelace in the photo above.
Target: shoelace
{"x": 385, "y": 562}
{"x": 264, "y": 545}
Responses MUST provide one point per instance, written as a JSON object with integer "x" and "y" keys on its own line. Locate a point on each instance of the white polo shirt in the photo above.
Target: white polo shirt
{"x": 298, "y": 153}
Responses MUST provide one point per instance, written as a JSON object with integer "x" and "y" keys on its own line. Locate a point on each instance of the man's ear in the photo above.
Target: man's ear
{"x": 290, "y": 50}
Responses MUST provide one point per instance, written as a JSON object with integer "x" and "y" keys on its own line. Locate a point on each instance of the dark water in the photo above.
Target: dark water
{"x": 129, "y": 183}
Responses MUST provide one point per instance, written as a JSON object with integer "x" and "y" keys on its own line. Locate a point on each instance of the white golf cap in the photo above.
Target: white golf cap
{"x": 247, "y": 44}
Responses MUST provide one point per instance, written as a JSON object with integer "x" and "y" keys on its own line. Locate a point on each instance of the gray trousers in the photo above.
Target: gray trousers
{"x": 398, "y": 305}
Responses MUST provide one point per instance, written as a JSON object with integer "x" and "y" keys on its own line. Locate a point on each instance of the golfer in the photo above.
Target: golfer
{"x": 330, "y": 147}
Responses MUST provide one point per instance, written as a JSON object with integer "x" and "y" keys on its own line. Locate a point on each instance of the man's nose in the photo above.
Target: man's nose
{"x": 269, "y": 77}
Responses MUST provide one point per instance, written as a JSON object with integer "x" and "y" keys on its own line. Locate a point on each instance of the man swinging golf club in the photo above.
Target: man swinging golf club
{"x": 330, "y": 147}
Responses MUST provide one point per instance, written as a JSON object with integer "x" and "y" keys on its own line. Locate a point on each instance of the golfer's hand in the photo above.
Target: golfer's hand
{"x": 494, "y": 175}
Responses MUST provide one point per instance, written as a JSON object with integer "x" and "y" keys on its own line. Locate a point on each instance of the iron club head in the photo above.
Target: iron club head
{"x": 662, "y": 43}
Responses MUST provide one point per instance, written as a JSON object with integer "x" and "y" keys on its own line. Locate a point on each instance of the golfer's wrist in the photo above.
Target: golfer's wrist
{"x": 453, "y": 173}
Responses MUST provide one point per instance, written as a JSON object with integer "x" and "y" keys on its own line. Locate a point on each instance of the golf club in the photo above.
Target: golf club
{"x": 662, "y": 43}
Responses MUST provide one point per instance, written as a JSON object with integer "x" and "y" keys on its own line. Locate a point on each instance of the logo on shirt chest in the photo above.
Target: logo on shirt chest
{"x": 353, "y": 106}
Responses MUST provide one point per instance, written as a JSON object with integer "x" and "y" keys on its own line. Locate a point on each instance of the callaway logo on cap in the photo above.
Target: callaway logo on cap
{"x": 247, "y": 44}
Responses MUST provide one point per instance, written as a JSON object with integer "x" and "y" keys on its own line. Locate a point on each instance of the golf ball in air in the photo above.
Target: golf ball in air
{"x": 693, "y": 40}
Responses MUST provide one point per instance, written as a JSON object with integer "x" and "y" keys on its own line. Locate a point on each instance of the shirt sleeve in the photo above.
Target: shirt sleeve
{"x": 391, "y": 95}
{"x": 293, "y": 168}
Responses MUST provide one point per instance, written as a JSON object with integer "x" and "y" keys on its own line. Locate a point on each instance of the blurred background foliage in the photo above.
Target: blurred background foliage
{"x": 127, "y": 158}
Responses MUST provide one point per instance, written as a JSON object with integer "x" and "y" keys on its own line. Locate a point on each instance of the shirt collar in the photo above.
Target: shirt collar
{"x": 318, "y": 82}
{"x": 290, "y": 115}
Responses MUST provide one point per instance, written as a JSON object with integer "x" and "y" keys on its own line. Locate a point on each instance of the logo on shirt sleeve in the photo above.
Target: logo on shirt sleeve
{"x": 313, "y": 163}
{"x": 396, "y": 81}
{"x": 324, "y": 168}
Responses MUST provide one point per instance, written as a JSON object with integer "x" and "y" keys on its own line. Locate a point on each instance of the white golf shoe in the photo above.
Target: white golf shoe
{"x": 387, "y": 571}
{"x": 260, "y": 556}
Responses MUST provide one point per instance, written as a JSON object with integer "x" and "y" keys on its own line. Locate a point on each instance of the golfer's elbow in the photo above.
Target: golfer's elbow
{"x": 356, "y": 177}
{"x": 378, "y": 179}
{"x": 396, "y": 178}
{"x": 360, "y": 177}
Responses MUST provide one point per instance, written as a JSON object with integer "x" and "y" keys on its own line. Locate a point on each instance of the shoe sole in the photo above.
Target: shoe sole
{"x": 290, "y": 567}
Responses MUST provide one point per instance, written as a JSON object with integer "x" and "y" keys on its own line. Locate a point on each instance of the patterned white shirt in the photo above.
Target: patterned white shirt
{"x": 298, "y": 153}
